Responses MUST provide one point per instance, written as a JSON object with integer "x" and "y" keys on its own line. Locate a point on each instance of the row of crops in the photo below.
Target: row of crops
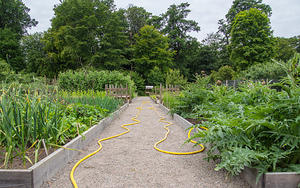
{"x": 34, "y": 120}
{"x": 255, "y": 125}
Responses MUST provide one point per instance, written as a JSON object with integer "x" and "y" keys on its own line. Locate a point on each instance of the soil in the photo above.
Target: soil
{"x": 193, "y": 121}
{"x": 131, "y": 161}
{"x": 18, "y": 162}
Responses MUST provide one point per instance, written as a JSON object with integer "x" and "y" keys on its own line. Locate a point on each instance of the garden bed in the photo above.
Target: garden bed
{"x": 268, "y": 180}
{"x": 47, "y": 167}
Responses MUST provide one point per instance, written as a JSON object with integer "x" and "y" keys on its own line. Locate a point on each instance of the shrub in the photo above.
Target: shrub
{"x": 175, "y": 78}
{"x": 224, "y": 73}
{"x": 93, "y": 80}
{"x": 269, "y": 70}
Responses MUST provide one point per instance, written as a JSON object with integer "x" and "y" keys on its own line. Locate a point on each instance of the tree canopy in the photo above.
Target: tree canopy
{"x": 14, "y": 20}
{"x": 151, "y": 50}
{"x": 87, "y": 33}
{"x": 97, "y": 35}
{"x": 225, "y": 26}
{"x": 251, "y": 39}
{"x": 14, "y": 15}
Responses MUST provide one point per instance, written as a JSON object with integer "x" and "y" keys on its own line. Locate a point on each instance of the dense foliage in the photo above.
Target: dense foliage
{"x": 95, "y": 34}
{"x": 93, "y": 80}
{"x": 14, "y": 21}
{"x": 252, "y": 126}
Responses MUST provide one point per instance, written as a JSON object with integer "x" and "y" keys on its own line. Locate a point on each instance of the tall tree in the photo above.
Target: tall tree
{"x": 216, "y": 44}
{"x": 251, "y": 39}
{"x": 225, "y": 26}
{"x": 72, "y": 34}
{"x": 34, "y": 53}
{"x": 14, "y": 20}
{"x": 137, "y": 18}
{"x": 10, "y": 50}
{"x": 284, "y": 49}
{"x": 15, "y": 15}
{"x": 114, "y": 43}
{"x": 87, "y": 33}
{"x": 151, "y": 50}
{"x": 176, "y": 26}
{"x": 201, "y": 57}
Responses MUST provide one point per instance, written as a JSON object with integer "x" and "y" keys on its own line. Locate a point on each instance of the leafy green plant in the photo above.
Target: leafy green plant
{"x": 169, "y": 99}
{"x": 269, "y": 70}
{"x": 224, "y": 73}
{"x": 252, "y": 126}
{"x": 175, "y": 78}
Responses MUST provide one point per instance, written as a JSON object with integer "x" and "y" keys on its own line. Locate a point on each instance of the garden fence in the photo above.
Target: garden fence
{"x": 118, "y": 91}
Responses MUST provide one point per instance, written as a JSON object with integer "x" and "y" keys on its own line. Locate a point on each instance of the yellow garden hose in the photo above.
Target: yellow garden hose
{"x": 162, "y": 119}
{"x": 103, "y": 139}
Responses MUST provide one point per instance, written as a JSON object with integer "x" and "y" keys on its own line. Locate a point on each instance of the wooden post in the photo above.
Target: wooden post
{"x": 128, "y": 94}
{"x": 120, "y": 87}
{"x": 109, "y": 86}
{"x": 106, "y": 89}
{"x": 160, "y": 94}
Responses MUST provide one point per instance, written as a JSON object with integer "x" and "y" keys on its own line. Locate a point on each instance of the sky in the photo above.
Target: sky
{"x": 285, "y": 19}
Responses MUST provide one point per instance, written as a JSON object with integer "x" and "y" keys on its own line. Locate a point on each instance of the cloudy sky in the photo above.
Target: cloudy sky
{"x": 285, "y": 19}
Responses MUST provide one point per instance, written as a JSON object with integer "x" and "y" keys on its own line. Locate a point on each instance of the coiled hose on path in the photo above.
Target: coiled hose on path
{"x": 162, "y": 119}
{"x": 166, "y": 127}
{"x": 103, "y": 139}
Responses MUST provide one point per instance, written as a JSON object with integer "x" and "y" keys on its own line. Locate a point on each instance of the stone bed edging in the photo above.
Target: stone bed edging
{"x": 268, "y": 180}
{"x": 46, "y": 168}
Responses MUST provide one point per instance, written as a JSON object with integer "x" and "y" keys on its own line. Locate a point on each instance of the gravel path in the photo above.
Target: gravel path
{"x": 131, "y": 161}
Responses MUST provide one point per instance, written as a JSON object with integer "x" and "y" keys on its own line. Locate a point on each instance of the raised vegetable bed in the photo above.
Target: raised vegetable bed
{"x": 47, "y": 167}
{"x": 268, "y": 180}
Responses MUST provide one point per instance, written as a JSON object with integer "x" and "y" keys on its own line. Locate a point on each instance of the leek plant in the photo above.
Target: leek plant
{"x": 30, "y": 116}
{"x": 26, "y": 117}
{"x": 91, "y": 97}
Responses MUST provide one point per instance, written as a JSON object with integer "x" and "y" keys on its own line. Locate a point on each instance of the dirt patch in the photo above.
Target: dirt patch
{"x": 19, "y": 163}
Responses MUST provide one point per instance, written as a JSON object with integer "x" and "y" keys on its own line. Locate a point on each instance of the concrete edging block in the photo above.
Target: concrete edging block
{"x": 271, "y": 179}
{"x": 180, "y": 120}
{"x": 16, "y": 178}
{"x": 164, "y": 109}
{"x": 50, "y": 165}
{"x": 282, "y": 179}
{"x": 268, "y": 180}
